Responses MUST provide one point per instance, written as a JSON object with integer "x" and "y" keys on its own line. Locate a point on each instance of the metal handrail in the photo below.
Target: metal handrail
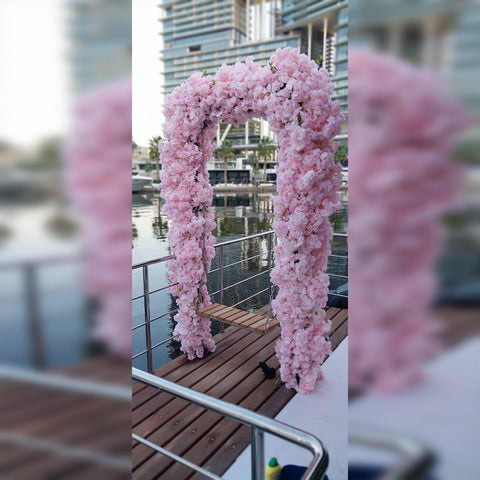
{"x": 259, "y": 424}
{"x": 222, "y": 288}
{"x": 416, "y": 457}
{"x": 63, "y": 383}
{"x": 242, "y": 239}
{"x": 29, "y": 269}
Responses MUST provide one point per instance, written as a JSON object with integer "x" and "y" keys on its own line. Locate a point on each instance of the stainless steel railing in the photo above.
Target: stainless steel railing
{"x": 220, "y": 271}
{"x": 416, "y": 458}
{"x": 77, "y": 386}
{"x": 30, "y": 271}
{"x": 258, "y": 423}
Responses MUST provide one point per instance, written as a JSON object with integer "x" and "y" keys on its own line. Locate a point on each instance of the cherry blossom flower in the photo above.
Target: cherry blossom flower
{"x": 294, "y": 96}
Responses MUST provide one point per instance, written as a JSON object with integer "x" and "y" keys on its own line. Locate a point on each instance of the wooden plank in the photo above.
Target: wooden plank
{"x": 211, "y": 309}
{"x": 66, "y": 418}
{"x": 248, "y": 322}
{"x": 223, "y": 458}
{"x": 339, "y": 334}
{"x": 205, "y": 310}
{"x": 250, "y": 393}
{"x": 237, "y": 441}
{"x": 338, "y": 320}
{"x": 232, "y": 374}
{"x": 245, "y": 352}
{"x": 172, "y": 369}
{"x": 330, "y": 312}
{"x": 46, "y": 466}
{"x": 235, "y": 314}
{"x": 261, "y": 324}
{"x": 219, "y": 314}
{"x": 189, "y": 376}
{"x": 245, "y": 319}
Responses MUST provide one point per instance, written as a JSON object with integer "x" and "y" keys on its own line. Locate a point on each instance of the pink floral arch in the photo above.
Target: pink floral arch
{"x": 294, "y": 96}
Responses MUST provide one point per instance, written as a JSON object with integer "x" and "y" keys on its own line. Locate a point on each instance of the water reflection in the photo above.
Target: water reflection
{"x": 236, "y": 216}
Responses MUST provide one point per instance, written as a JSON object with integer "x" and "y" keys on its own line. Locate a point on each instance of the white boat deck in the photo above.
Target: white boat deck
{"x": 323, "y": 413}
{"x": 443, "y": 412}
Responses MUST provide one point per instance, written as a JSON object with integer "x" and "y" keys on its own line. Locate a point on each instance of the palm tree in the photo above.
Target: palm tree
{"x": 266, "y": 150}
{"x": 225, "y": 151}
{"x": 253, "y": 161}
{"x": 153, "y": 152}
{"x": 341, "y": 155}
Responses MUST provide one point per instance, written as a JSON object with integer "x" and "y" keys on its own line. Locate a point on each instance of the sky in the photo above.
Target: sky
{"x": 146, "y": 79}
{"x": 35, "y": 76}
{"x": 34, "y": 71}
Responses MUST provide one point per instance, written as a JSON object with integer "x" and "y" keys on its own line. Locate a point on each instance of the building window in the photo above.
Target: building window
{"x": 194, "y": 48}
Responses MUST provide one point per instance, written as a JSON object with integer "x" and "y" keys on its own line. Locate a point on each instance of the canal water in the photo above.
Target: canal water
{"x": 32, "y": 232}
{"x": 237, "y": 216}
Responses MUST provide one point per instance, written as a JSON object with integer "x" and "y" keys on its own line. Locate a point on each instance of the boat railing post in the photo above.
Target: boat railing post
{"x": 148, "y": 331}
{"x": 36, "y": 336}
{"x": 258, "y": 454}
{"x": 220, "y": 273}
{"x": 270, "y": 247}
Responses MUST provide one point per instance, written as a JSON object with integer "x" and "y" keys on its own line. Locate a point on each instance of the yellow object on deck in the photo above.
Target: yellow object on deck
{"x": 273, "y": 470}
{"x": 234, "y": 316}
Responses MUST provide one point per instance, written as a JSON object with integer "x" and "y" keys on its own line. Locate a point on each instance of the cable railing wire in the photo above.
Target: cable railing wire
{"x": 269, "y": 236}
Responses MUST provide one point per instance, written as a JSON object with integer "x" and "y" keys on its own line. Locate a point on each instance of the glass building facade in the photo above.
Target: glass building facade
{"x": 100, "y": 34}
{"x": 323, "y": 28}
{"x": 202, "y": 35}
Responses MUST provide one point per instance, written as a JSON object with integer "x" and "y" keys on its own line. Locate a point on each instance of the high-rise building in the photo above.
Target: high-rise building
{"x": 200, "y": 36}
{"x": 100, "y": 33}
{"x": 323, "y": 29}
{"x": 442, "y": 35}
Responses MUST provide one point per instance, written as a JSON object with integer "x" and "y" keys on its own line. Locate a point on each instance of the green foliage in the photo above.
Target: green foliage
{"x": 225, "y": 150}
{"x": 62, "y": 226}
{"x": 49, "y": 152}
{"x": 253, "y": 161}
{"x": 468, "y": 152}
{"x": 153, "y": 152}
{"x": 341, "y": 155}
{"x": 148, "y": 167}
{"x": 266, "y": 150}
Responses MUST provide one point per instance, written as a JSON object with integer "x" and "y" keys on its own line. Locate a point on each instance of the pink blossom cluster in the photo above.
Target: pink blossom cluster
{"x": 401, "y": 180}
{"x": 294, "y": 96}
{"x": 98, "y": 183}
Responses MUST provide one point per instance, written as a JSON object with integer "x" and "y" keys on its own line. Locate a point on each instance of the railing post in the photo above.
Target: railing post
{"x": 148, "y": 331}
{"x": 34, "y": 321}
{"x": 270, "y": 247}
{"x": 258, "y": 454}
{"x": 220, "y": 272}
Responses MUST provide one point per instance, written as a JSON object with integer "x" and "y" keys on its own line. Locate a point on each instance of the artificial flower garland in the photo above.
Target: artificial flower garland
{"x": 294, "y": 95}
{"x": 98, "y": 157}
{"x": 402, "y": 130}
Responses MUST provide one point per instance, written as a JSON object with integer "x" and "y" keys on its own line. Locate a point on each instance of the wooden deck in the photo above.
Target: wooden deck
{"x": 70, "y": 419}
{"x": 230, "y": 373}
{"x": 256, "y": 322}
